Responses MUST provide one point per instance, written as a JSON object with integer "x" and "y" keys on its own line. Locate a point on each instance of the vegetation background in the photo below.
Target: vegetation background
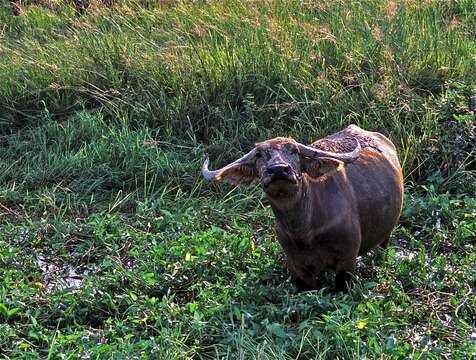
{"x": 111, "y": 244}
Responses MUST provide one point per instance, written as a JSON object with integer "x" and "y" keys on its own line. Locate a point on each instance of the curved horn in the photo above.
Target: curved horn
{"x": 207, "y": 174}
{"x": 314, "y": 153}
{"x": 216, "y": 174}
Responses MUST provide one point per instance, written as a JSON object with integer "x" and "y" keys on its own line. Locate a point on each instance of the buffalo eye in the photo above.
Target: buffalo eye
{"x": 259, "y": 154}
{"x": 294, "y": 150}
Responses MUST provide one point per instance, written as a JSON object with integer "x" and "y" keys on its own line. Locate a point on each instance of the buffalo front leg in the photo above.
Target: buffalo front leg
{"x": 344, "y": 271}
{"x": 303, "y": 277}
{"x": 303, "y": 284}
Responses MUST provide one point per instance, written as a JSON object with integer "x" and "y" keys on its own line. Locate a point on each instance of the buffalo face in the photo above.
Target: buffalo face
{"x": 278, "y": 167}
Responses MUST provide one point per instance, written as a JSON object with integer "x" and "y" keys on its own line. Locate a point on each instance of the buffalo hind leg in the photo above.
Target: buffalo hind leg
{"x": 384, "y": 244}
{"x": 380, "y": 252}
{"x": 344, "y": 271}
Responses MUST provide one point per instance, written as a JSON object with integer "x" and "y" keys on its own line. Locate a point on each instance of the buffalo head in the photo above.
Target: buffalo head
{"x": 279, "y": 164}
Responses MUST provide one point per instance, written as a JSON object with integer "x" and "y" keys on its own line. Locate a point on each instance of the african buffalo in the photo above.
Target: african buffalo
{"x": 333, "y": 200}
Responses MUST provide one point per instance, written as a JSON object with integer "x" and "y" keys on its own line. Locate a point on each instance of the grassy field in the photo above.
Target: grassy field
{"x": 111, "y": 244}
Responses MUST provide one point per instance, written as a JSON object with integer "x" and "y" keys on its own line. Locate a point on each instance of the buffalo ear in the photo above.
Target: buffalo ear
{"x": 321, "y": 166}
{"x": 238, "y": 174}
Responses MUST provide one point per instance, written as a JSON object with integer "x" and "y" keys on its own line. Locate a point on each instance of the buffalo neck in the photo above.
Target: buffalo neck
{"x": 294, "y": 216}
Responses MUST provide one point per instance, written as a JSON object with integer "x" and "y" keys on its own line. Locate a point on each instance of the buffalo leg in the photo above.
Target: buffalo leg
{"x": 380, "y": 253}
{"x": 301, "y": 284}
{"x": 384, "y": 244}
{"x": 344, "y": 271}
